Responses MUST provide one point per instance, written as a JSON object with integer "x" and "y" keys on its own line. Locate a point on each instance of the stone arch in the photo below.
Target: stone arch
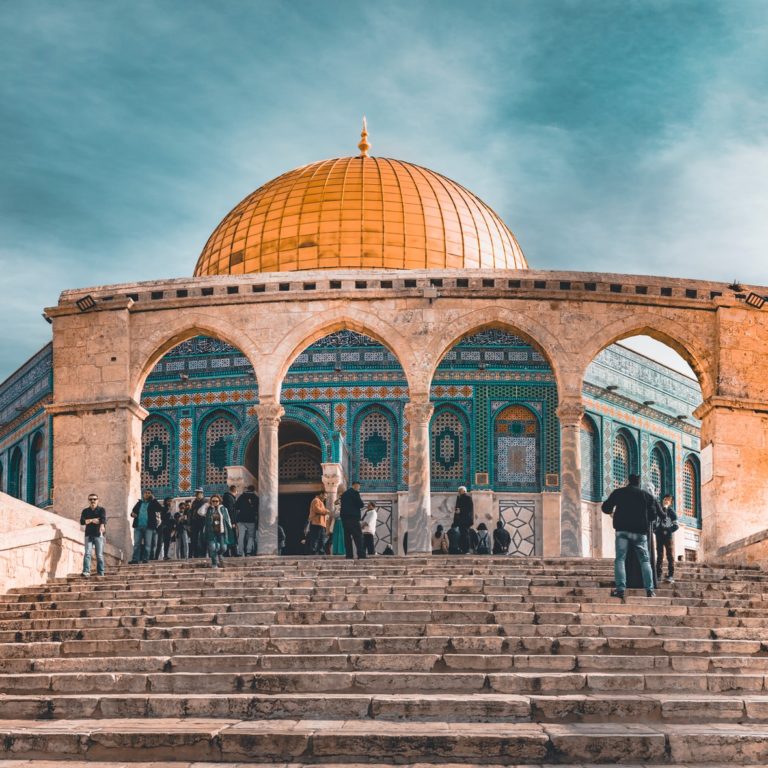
{"x": 693, "y": 348}
{"x": 150, "y": 350}
{"x": 353, "y": 319}
{"x": 306, "y": 416}
{"x": 536, "y": 334}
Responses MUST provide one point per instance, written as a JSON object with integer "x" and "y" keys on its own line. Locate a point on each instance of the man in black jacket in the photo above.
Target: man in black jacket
{"x": 351, "y": 504}
{"x": 247, "y": 519}
{"x": 94, "y": 518}
{"x": 464, "y": 516}
{"x": 146, "y": 517}
{"x": 633, "y": 511}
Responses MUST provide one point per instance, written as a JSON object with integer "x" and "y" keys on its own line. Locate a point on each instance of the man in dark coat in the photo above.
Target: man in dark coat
{"x": 196, "y": 516}
{"x": 351, "y": 504}
{"x": 146, "y": 518}
{"x": 633, "y": 510}
{"x": 464, "y": 516}
{"x": 247, "y": 519}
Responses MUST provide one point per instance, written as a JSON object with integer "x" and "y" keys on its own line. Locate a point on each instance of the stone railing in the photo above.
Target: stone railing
{"x": 37, "y": 545}
{"x": 751, "y": 550}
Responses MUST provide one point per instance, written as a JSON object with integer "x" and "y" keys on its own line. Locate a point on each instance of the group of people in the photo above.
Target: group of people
{"x": 349, "y": 530}
{"x": 221, "y": 525}
{"x": 463, "y": 538}
{"x": 637, "y": 516}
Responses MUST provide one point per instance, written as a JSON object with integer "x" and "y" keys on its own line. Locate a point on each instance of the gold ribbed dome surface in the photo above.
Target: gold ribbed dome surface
{"x": 364, "y": 213}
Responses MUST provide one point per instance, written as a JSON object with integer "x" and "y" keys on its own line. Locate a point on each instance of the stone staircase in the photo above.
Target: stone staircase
{"x": 440, "y": 660}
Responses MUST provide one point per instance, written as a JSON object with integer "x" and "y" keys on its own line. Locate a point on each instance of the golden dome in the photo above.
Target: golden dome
{"x": 359, "y": 212}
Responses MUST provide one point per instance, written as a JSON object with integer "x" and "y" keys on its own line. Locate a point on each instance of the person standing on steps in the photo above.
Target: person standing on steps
{"x": 217, "y": 530}
{"x": 368, "y": 525}
{"x": 664, "y": 531}
{"x": 146, "y": 516}
{"x": 196, "y": 523}
{"x": 464, "y": 516}
{"x": 483, "y": 546}
{"x": 351, "y": 504}
{"x": 94, "y": 518}
{"x": 247, "y": 519}
{"x": 439, "y": 541}
{"x": 318, "y": 524}
{"x": 165, "y": 531}
{"x": 633, "y": 511}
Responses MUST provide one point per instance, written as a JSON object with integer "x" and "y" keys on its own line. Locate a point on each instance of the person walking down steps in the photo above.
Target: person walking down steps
{"x": 217, "y": 530}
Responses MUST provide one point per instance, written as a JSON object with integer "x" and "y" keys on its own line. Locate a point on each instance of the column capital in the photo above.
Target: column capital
{"x": 729, "y": 403}
{"x": 570, "y": 412}
{"x": 419, "y": 411}
{"x": 269, "y": 414}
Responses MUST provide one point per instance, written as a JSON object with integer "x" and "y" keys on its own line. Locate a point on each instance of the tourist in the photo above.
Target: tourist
{"x": 632, "y": 510}
{"x": 229, "y": 499}
{"x": 337, "y": 541}
{"x": 180, "y": 533}
{"x": 464, "y": 516}
{"x": 455, "y": 540}
{"x": 664, "y": 530}
{"x": 146, "y": 516}
{"x": 483, "y": 545}
{"x": 473, "y": 540}
{"x": 196, "y": 524}
{"x": 439, "y": 541}
{"x": 501, "y": 539}
{"x": 318, "y": 523}
{"x": 280, "y": 539}
{"x": 217, "y": 530}
{"x": 165, "y": 531}
{"x": 351, "y": 503}
{"x": 247, "y": 518}
{"x": 94, "y": 518}
{"x": 368, "y": 527}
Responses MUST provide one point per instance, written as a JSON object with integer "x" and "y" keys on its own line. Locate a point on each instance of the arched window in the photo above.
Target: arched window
{"x": 300, "y": 463}
{"x": 14, "y": 473}
{"x": 590, "y": 460}
{"x": 374, "y": 457}
{"x": 215, "y": 439}
{"x": 2, "y": 487}
{"x": 156, "y": 447}
{"x": 516, "y": 442}
{"x": 624, "y": 458}
{"x": 691, "y": 490}
{"x": 449, "y": 464}
{"x": 660, "y": 470}
{"x": 36, "y": 485}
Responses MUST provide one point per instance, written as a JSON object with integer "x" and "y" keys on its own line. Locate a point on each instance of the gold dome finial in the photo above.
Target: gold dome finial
{"x": 364, "y": 146}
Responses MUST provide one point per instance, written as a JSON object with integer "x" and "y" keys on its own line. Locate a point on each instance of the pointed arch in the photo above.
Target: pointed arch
{"x": 661, "y": 469}
{"x": 450, "y": 447}
{"x": 15, "y": 472}
{"x": 591, "y": 476}
{"x": 36, "y": 474}
{"x": 215, "y": 434}
{"x": 517, "y": 448}
{"x": 159, "y": 466}
{"x": 691, "y": 501}
{"x": 375, "y": 440}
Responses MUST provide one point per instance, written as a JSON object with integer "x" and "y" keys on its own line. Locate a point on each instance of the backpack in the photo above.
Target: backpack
{"x": 482, "y": 547}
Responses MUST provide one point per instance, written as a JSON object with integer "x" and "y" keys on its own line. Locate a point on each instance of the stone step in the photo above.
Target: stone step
{"x": 349, "y": 654}
{"x": 302, "y": 741}
{"x": 478, "y": 707}
{"x": 367, "y": 677}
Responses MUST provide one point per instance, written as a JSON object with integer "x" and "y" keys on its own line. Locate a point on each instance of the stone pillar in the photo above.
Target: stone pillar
{"x": 269, "y": 415}
{"x": 333, "y": 477}
{"x": 570, "y": 412}
{"x": 241, "y": 477}
{"x": 98, "y": 450}
{"x": 734, "y": 474}
{"x": 418, "y": 413}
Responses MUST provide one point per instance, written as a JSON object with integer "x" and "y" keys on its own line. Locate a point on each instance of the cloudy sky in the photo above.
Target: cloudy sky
{"x": 611, "y": 135}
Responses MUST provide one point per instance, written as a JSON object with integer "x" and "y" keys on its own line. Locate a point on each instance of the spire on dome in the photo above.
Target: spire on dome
{"x": 364, "y": 146}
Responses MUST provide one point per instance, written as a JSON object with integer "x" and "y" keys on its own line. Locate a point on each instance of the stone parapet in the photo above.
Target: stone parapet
{"x": 37, "y": 545}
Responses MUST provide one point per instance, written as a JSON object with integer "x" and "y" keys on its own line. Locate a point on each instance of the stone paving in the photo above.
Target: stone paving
{"x": 466, "y": 661}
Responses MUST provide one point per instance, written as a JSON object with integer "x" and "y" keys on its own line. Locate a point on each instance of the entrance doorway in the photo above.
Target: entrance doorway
{"x": 300, "y": 475}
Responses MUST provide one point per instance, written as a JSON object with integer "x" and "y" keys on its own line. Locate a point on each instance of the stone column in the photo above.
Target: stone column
{"x": 570, "y": 412}
{"x": 269, "y": 415}
{"x": 98, "y": 450}
{"x": 734, "y": 476}
{"x": 333, "y": 477}
{"x": 418, "y": 413}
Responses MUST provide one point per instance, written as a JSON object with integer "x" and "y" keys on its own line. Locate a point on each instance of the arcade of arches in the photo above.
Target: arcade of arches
{"x": 539, "y": 417}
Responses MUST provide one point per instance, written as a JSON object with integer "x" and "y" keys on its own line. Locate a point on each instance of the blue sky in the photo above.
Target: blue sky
{"x": 610, "y": 135}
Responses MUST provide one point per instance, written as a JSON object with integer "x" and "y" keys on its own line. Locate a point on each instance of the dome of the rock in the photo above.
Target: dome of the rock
{"x": 360, "y": 212}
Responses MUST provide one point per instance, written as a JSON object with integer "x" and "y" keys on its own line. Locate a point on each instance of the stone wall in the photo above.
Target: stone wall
{"x": 36, "y": 545}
